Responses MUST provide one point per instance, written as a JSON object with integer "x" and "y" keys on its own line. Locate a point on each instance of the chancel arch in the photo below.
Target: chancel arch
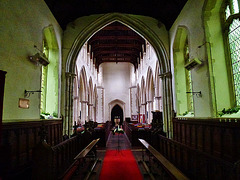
{"x": 151, "y": 32}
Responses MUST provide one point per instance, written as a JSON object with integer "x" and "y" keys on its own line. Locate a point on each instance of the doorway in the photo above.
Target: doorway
{"x": 117, "y": 113}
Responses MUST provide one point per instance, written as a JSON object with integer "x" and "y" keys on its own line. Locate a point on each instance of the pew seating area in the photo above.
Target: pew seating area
{"x": 204, "y": 148}
{"x": 171, "y": 172}
{"x": 19, "y": 140}
{"x": 137, "y": 130}
{"x": 63, "y": 160}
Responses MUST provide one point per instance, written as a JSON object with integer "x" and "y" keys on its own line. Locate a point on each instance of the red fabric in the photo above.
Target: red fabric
{"x": 120, "y": 165}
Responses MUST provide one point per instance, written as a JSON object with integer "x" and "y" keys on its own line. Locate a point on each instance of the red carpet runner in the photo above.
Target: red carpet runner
{"x": 120, "y": 165}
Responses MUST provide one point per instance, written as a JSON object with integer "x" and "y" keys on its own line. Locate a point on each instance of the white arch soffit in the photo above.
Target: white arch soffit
{"x": 90, "y": 88}
{"x": 157, "y": 80}
{"x": 129, "y": 20}
{"x": 148, "y": 83}
{"x": 83, "y": 76}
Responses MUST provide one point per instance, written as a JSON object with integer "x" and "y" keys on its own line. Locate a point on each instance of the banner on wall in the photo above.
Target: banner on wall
{"x": 142, "y": 118}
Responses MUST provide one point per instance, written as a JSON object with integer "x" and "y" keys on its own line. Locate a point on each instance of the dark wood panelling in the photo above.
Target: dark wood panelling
{"x": 19, "y": 139}
{"x": 196, "y": 164}
{"x": 218, "y": 137}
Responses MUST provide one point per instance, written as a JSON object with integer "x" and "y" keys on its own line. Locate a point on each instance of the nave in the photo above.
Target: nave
{"x": 37, "y": 150}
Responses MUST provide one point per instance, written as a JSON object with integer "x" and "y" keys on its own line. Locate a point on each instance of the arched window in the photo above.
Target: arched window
{"x": 182, "y": 75}
{"x": 44, "y": 78}
{"x": 232, "y": 24}
{"x": 188, "y": 79}
{"x": 49, "y": 76}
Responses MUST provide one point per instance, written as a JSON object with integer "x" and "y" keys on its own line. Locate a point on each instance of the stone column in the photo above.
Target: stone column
{"x": 100, "y": 104}
{"x": 143, "y": 110}
{"x": 133, "y": 101}
{"x": 69, "y": 103}
{"x": 158, "y": 103}
{"x": 84, "y": 112}
{"x": 167, "y": 102}
{"x": 90, "y": 111}
{"x": 150, "y": 108}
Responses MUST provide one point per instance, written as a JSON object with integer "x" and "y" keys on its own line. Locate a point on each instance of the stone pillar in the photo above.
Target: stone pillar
{"x": 167, "y": 102}
{"x": 69, "y": 103}
{"x": 143, "y": 110}
{"x": 150, "y": 108}
{"x": 90, "y": 112}
{"x": 84, "y": 112}
{"x": 158, "y": 103}
{"x": 133, "y": 100}
{"x": 100, "y": 104}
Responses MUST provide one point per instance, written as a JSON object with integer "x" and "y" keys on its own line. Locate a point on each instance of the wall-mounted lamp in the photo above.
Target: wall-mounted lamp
{"x": 198, "y": 94}
{"x": 39, "y": 58}
{"x": 28, "y": 93}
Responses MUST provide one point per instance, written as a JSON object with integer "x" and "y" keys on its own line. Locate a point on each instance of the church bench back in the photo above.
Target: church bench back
{"x": 219, "y": 137}
{"x": 19, "y": 139}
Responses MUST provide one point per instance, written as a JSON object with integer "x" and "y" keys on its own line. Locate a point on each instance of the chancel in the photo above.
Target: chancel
{"x": 120, "y": 89}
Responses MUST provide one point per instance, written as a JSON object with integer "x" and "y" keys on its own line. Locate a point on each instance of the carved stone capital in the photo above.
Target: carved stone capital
{"x": 166, "y": 75}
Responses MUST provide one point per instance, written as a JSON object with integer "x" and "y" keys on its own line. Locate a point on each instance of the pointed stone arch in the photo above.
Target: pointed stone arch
{"x": 115, "y": 102}
{"x": 83, "y": 94}
{"x": 150, "y": 93}
{"x": 147, "y": 27}
{"x": 158, "y": 89}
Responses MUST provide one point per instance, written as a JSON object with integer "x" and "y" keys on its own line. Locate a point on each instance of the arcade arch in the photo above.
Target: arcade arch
{"x": 142, "y": 25}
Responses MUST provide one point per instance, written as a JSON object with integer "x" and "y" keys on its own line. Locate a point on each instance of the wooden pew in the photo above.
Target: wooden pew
{"x": 172, "y": 171}
{"x": 75, "y": 165}
{"x": 218, "y": 137}
{"x": 197, "y": 164}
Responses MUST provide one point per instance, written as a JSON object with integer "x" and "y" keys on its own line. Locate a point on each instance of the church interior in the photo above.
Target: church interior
{"x": 120, "y": 89}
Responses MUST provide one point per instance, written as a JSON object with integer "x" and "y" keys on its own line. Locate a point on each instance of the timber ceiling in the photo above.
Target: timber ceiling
{"x": 116, "y": 43}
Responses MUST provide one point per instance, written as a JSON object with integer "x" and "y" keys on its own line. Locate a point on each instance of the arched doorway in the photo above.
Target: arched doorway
{"x": 117, "y": 113}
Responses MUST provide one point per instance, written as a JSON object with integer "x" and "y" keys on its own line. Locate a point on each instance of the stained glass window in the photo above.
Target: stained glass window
{"x": 234, "y": 46}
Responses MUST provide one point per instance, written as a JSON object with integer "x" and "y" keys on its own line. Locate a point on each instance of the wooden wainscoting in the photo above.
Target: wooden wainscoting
{"x": 19, "y": 139}
{"x": 218, "y": 137}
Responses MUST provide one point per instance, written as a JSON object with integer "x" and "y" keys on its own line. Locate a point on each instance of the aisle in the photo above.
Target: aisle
{"x": 119, "y": 162}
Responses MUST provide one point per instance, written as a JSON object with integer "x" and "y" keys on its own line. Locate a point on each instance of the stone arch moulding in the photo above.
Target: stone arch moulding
{"x": 149, "y": 82}
{"x": 149, "y": 31}
{"x": 83, "y": 77}
{"x": 179, "y": 83}
{"x": 114, "y": 103}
